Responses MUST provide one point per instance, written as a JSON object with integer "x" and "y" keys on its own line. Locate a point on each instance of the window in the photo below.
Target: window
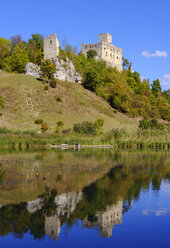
{"x": 50, "y": 41}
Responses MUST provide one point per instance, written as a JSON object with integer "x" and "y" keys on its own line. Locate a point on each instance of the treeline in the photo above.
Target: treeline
{"x": 124, "y": 91}
{"x": 16, "y": 53}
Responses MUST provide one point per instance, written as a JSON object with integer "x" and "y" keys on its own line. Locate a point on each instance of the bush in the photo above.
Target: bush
{"x": 38, "y": 121}
{"x": 144, "y": 124}
{"x": 114, "y": 134}
{"x": 53, "y": 83}
{"x": 58, "y": 99}
{"x": 87, "y": 127}
{"x": 44, "y": 127}
{"x": 46, "y": 88}
{"x": 152, "y": 124}
{"x": 59, "y": 125}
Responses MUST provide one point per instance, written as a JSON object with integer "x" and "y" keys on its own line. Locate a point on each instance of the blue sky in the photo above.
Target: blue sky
{"x": 140, "y": 27}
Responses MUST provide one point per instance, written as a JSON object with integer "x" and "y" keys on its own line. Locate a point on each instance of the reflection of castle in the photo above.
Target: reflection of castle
{"x": 104, "y": 222}
{"x": 52, "y": 227}
{"x": 66, "y": 204}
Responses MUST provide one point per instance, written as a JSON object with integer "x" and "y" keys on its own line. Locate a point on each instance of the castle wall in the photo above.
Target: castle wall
{"x": 106, "y": 51}
{"x": 51, "y": 47}
{"x": 104, "y": 222}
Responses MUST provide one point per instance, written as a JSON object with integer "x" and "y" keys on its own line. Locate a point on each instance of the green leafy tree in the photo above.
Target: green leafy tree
{"x": 91, "y": 54}
{"x": 5, "y": 50}
{"x": 48, "y": 69}
{"x": 18, "y": 59}
{"x": 156, "y": 87}
{"x": 35, "y": 48}
{"x": 125, "y": 63}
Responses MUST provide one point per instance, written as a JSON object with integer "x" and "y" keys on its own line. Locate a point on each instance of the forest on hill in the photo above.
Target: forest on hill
{"x": 124, "y": 91}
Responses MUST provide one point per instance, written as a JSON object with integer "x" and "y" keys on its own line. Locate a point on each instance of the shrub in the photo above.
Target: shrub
{"x": 44, "y": 127}
{"x": 46, "y": 88}
{"x": 59, "y": 125}
{"x": 38, "y": 121}
{"x": 114, "y": 134}
{"x": 48, "y": 69}
{"x": 87, "y": 127}
{"x": 144, "y": 124}
{"x": 66, "y": 131}
{"x": 58, "y": 99}
{"x": 152, "y": 124}
{"x": 53, "y": 83}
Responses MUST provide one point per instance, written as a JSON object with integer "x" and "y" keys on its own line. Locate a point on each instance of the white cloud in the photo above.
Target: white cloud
{"x": 158, "y": 212}
{"x": 165, "y": 80}
{"x": 167, "y": 77}
{"x": 157, "y": 53}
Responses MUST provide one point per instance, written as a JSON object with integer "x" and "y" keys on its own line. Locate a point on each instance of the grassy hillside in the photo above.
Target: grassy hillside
{"x": 26, "y": 100}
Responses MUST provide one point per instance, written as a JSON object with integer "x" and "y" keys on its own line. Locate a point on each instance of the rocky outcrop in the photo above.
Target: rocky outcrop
{"x": 66, "y": 203}
{"x": 33, "y": 206}
{"x": 65, "y": 71}
{"x": 32, "y": 69}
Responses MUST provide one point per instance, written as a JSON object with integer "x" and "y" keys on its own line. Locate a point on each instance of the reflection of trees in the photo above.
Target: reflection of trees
{"x": 125, "y": 181}
{"x": 17, "y": 220}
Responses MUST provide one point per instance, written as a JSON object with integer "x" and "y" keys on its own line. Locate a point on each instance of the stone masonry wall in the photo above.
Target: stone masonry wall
{"x": 51, "y": 47}
{"x": 106, "y": 51}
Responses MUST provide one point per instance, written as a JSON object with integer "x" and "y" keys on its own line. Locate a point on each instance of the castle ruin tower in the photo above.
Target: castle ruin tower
{"x": 51, "y": 47}
{"x": 106, "y": 37}
{"x": 105, "y": 50}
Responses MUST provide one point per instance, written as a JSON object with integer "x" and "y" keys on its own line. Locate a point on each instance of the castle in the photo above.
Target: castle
{"x": 106, "y": 51}
{"x": 51, "y": 47}
{"x": 105, "y": 221}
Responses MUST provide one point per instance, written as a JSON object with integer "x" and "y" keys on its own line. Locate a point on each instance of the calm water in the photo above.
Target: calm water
{"x": 87, "y": 198}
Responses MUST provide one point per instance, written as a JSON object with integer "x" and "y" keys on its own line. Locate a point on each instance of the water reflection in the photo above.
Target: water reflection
{"x": 96, "y": 188}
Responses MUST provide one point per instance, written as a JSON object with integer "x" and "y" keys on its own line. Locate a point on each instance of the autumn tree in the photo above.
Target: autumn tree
{"x": 35, "y": 48}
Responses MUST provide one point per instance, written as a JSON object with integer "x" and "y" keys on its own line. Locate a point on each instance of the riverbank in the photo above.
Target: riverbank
{"x": 53, "y": 142}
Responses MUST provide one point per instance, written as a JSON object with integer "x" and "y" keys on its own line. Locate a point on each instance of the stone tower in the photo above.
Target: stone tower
{"x": 106, "y": 37}
{"x": 106, "y": 51}
{"x": 51, "y": 47}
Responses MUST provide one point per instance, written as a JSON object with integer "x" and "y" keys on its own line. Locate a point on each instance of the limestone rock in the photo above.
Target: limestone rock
{"x": 65, "y": 71}
{"x": 32, "y": 69}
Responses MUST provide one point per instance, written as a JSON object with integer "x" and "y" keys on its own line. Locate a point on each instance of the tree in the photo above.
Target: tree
{"x": 15, "y": 41}
{"x": 91, "y": 54}
{"x": 48, "y": 69}
{"x": 35, "y": 48}
{"x": 156, "y": 87}
{"x": 18, "y": 59}
{"x": 125, "y": 63}
{"x": 5, "y": 50}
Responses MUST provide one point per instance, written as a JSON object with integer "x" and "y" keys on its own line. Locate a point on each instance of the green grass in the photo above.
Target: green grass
{"x": 26, "y": 101}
